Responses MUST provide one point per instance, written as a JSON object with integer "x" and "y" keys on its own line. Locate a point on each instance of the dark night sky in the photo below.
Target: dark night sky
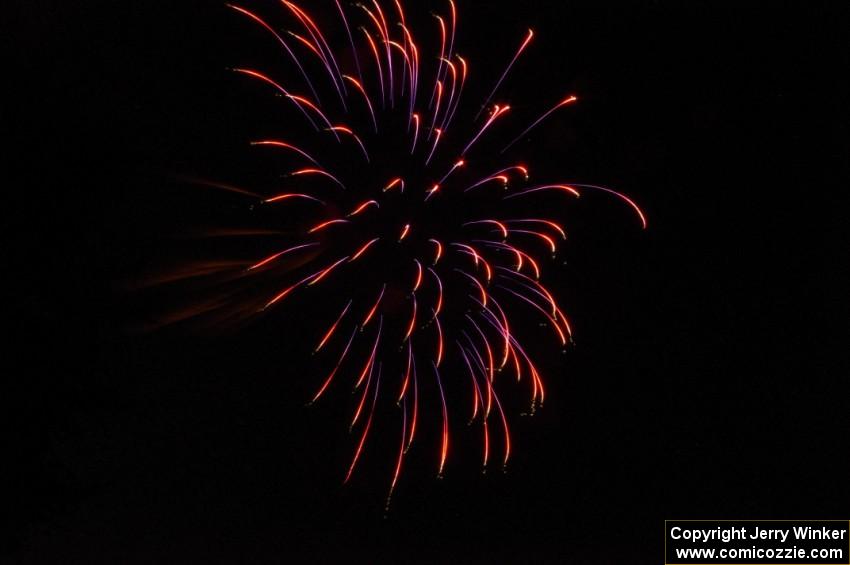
{"x": 709, "y": 377}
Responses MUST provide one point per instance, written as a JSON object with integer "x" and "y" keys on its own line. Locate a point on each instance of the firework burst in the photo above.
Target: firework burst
{"x": 406, "y": 216}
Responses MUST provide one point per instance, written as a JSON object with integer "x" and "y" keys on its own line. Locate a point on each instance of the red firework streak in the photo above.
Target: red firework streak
{"x": 490, "y": 267}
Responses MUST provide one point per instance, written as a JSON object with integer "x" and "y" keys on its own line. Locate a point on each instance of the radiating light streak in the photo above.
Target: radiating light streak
{"x": 276, "y": 256}
{"x": 327, "y": 224}
{"x": 455, "y": 167}
{"x": 319, "y": 172}
{"x": 409, "y": 66}
{"x": 371, "y": 361}
{"x": 501, "y": 326}
{"x": 350, "y": 132}
{"x": 430, "y": 193}
{"x": 281, "y": 41}
{"x": 517, "y": 365}
{"x": 415, "y": 133}
{"x": 448, "y": 107}
{"x": 404, "y": 54}
{"x": 374, "y": 309}
{"x": 365, "y": 431}
{"x": 477, "y": 284}
{"x": 275, "y": 143}
{"x": 506, "y": 429}
{"x": 555, "y": 226}
{"x": 393, "y": 183}
{"x": 501, "y": 178}
{"x": 306, "y": 43}
{"x": 400, "y": 455}
{"x": 291, "y": 196}
{"x": 507, "y": 247}
{"x": 522, "y": 256}
{"x": 469, "y": 249}
{"x": 441, "y": 58}
{"x": 498, "y": 111}
{"x": 491, "y": 365}
{"x": 549, "y": 241}
{"x": 439, "y": 327}
{"x": 453, "y": 8}
{"x": 382, "y": 39}
{"x": 486, "y": 445}
{"x": 542, "y": 292}
{"x": 350, "y": 39}
{"x": 415, "y": 407}
{"x": 437, "y": 107}
{"x": 418, "y": 282}
{"x": 538, "y": 392}
{"x": 327, "y": 271}
{"x": 364, "y": 249}
{"x": 386, "y": 34}
{"x": 552, "y": 320}
{"x": 438, "y": 251}
{"x": 407, "y": 373}
{"x": 501, "y": 226}
{"x": 363, "y": 207}
{"x": 267, "y": 80}
{"x": 359, "y": 86}
{"x": 448, "y": 53}
{"x": 219, "y": 186}
{"x": 412, "y": 325}
{"x": 290, "y": 289}
{"x": 535, "y": 267}
{"x": 370, "y": 367}
{"x": 622, "y": 196}
{"x": 439, "y": 306}
{"x": 327, "y": 55}
{"x": 444, "y": 450}
{"x": 557, "y": 187}
{"x": 414, "y": 58}
{"x": 460, "y": 91}
{"x": 478, "y": 258}
{"x": 377, "y": 62}
{"x": 439, "y": 134}
{"x": 566, "y": 101}
{"x": 333, "y": 373}
{"x": 522, "y": 48}
{"x": 302, "y": 102}
{"x": 284, "y": 294}
{"x": 333, "y": 328}
{"x": 476, "y": 391}
{"x": 482, "y": 367}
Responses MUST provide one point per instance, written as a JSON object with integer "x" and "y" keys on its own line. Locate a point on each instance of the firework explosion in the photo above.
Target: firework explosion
{"x": 435, "y": 215}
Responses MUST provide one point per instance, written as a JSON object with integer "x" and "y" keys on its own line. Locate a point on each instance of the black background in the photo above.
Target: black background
{"x": 709, "y": 377}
